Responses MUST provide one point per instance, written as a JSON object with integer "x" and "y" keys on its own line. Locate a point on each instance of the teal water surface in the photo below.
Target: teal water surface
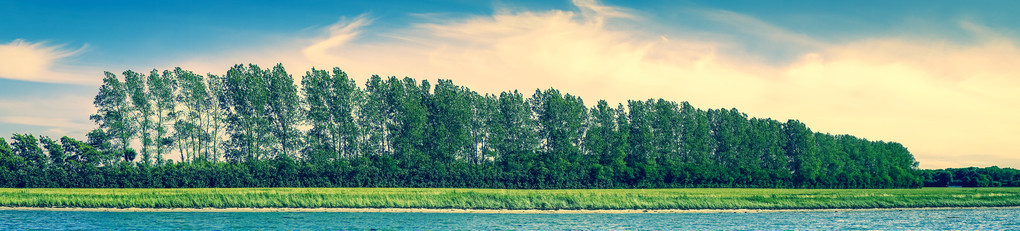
{"x": 939, "y": 219}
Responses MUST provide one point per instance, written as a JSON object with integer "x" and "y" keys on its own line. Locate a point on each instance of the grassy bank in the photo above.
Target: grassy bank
{"x": 511, "y": 199}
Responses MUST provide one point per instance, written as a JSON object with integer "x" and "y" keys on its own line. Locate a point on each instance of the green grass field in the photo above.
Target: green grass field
{"x": 511, "y": 199}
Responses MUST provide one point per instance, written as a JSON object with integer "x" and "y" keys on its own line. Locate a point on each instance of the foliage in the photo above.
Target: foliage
{"x": 255, "y": 127}
{"x": 971, "y": 177}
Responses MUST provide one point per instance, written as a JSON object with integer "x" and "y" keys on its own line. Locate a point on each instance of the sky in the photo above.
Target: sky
{"x": 939, "y": 77}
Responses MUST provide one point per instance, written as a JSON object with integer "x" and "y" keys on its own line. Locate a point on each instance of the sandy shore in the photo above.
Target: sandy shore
{"x": 492, "y": 211}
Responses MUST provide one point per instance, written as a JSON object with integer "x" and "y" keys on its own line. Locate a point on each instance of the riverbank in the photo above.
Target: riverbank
{"x": 502, "y": 200}
{"x": 477, "y": 211}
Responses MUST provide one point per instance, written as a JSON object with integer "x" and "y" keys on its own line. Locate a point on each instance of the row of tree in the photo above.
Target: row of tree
{"x": 255, "y": 125}
{"x": 971, "y": 177}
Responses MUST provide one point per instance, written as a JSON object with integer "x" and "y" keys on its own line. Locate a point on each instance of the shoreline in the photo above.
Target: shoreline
{"x": 433, "y": 200}
{"x": 477, "y": 211}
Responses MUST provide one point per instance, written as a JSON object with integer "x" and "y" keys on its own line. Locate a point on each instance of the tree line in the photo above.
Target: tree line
{"x": 255, "y": 127}
{"x": 971, "y": 177}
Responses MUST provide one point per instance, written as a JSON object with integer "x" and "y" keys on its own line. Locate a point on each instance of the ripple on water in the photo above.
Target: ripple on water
{"x": 955, "y": 219}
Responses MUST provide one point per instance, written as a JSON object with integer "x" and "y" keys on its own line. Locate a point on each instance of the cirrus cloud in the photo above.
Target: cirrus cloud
{"x": 40, "y": 62}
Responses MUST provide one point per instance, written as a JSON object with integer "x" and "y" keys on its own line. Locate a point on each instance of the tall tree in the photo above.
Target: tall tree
{"x": 139, "y": 94}
{"x": 601, "y": 142}
{"x": 768, "y": 140}
{"x": 451, "y": 122}
{"x": 561, "y": 124}
{"x": 641, "y": 136}
{"x": 374, "y": 117}
{"x": 514, "y": 135}
{"x": 331, "y": 102}
{"x": 695, "y": 135}
{"x": 162, "y": 89}
{"x": 190, "y": 128}
{"x": 248, "y": 120}
{"x": 216, "y": 115}
{"x": 114, "y": 113}
{"x": 483, "y": 109}
{"x": 803, "y": 153}
{"x": 665, "y": 132}
{"x": 284, "y": 110}
{"x": 408, "y": 128}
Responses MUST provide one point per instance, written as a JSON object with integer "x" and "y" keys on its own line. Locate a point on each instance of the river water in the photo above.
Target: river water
{"x": 937, "y": 219}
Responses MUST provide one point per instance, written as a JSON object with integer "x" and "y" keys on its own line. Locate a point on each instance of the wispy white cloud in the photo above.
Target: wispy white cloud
{"x": 944, "y": 100}
{"x": 55, "y": 116}
{"x": 339, "y": 34}
{"x": 40, "y": 62}
{"x": 759, "y": 30}
{"x": 39, "y": 121}
{"x": 596, "y": 14}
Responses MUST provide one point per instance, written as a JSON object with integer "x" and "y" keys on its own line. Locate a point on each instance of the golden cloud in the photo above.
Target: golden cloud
{"x": 943, "y": 100}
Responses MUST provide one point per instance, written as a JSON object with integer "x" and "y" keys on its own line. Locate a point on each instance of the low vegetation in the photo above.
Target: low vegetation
{"x": 719, "y": 198}
{"x": 971, "y": 177}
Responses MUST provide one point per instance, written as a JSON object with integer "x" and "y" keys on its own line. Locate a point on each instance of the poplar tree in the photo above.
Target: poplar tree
{"x": 514, "y": 134}
{"x": 622, "y": 172}
{"x": 640, "y": 137}
{"x": 162, "y": 88}
{"x": 115, "y": 113}
{"x": 246, "y": 99}
{"x": 666, "y": 134}
{"x": 193, "y": 97}
{"x": 599, "y": 142}
{"x": 284, "y": 110}
{"x": 560, "y": 119}
{"x": 695, "y": 135}
{"x": 139, "y": 94}
{"x": 216, "y": 115}
{"x": 479, "y": 142}
{"x": 803, "y": 153}
{"x": 373, "y": 117}
{"x": 451, "y": 117}
{"x": 407, "y": 130}
{"x": 331, "y": 101}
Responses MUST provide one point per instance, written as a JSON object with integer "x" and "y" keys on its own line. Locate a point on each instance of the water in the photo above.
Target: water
{"x": 950, "y": 219}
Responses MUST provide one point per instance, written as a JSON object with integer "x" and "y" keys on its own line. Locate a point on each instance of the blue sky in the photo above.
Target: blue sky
{"x": 937, "y": 76}
{"x": 148, "y": 32}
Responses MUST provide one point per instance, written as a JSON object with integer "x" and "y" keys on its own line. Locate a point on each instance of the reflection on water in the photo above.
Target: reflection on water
{"x": 954, "y": 219}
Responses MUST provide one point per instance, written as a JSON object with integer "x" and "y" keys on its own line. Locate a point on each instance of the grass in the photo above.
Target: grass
{"x": 511, "y": 199}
